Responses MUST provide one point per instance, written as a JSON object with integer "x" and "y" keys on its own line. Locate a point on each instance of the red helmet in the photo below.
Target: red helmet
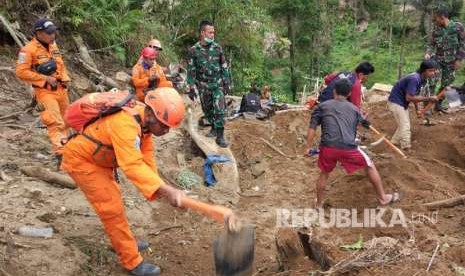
{"x": 148, "y": 52}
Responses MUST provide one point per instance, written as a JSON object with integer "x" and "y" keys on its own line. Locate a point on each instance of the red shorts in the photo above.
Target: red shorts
{"x": 350, "y": 159}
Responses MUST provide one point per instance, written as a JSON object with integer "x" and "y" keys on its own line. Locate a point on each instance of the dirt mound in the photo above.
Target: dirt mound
{"x": 273, "y": 173}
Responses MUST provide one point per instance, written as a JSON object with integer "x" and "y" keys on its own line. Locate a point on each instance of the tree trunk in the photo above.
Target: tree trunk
{"x": 391, "y": 22}
{"x": 291, "y": 35}
{"x": 401, "y": 55}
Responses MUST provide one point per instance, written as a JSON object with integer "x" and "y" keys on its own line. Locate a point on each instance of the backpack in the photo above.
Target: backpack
{"x": 250, "y": 103}
{"x": 94, "y": 106}
{"x": 327, "y": 93}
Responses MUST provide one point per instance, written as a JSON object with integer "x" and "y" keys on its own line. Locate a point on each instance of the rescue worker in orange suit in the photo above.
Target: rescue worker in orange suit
{"x": 147, "y": 74}
{"x": 40, "y": 64}
{"x": 126, "y": 140}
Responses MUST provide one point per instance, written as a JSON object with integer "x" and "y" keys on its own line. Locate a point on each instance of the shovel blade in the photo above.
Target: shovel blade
{"x": 234, "y": 252}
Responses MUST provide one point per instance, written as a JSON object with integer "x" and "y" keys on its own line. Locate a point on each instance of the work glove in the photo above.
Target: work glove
{"x": 365, "y": 123}
{"x": 192, "y": 94}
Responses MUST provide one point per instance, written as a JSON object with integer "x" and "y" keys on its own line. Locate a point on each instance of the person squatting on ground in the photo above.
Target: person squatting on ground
{"x": 447, "y": 48}
{"x": 146, "y": 73}
{"x": 40, "y": 63}
{"x": 339, "y": 119}
{"x": 124, "y": 140}
{"x": 407, "y": 90}
{"x": 208, "y": 73}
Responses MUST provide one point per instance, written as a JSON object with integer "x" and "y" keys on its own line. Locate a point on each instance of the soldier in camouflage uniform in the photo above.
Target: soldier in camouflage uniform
{"x": 446, "y": 47}
{"x": 207, "y": 72}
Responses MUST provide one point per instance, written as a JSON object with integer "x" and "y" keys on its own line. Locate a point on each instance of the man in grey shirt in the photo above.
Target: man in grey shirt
{"x": 339, "y": 120}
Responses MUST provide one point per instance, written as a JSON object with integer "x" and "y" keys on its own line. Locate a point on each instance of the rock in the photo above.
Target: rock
{"x": 47, "y": 217}
{"x": 259, "y": 169}
{"x": 381, "y": 88}
{"x": 33, "y": 193}
{"x": 40, "y": 156}
{"x": 122, "y": 77}
{"x": 375, "y": 98}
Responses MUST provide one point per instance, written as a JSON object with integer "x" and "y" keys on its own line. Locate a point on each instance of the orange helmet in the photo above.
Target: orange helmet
{"x": 167, "y": 105}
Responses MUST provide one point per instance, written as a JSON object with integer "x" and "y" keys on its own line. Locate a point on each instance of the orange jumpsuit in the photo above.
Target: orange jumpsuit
{"x": 55, "y": 102}
{"x": 93, "y": 172}
{"x": 140, "y": 79}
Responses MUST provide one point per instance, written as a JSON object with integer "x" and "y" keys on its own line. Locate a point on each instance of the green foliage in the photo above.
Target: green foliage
{"x": 326, "y": 40}
{"x": 358, "y": 245}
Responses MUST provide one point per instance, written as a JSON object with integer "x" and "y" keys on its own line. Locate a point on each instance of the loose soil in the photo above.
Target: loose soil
{"x": 181, "y": 241}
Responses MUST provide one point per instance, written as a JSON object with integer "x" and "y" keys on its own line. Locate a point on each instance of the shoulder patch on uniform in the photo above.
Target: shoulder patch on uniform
{"x": 21, "y": 57}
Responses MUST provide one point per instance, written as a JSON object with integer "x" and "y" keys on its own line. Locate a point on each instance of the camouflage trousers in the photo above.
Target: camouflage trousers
{"x": 445, "y": 75}
{"x": 213, "y": 105}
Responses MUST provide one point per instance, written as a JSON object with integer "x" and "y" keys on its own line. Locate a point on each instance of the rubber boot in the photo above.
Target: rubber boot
{"x": 212, "y": 132}
{"x": 439, "y": 106}
{"x": 220, "y": 141}
{"x": 142, "y": 245}
{"x": 146, "y": 269}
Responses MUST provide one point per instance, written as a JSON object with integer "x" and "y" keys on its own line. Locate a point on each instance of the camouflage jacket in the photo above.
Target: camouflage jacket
{"x": 447, "y": 43}
{"x": 207, "y": 66}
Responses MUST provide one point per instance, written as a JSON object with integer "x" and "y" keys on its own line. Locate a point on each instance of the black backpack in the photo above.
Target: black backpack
{"x": 250, "y": 103}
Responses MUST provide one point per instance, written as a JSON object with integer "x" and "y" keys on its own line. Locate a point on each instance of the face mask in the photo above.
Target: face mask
{"x": 209, "y": 40}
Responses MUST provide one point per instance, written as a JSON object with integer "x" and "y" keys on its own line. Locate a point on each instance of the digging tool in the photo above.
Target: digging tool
{"x": 430, "y": 104}
{"x": 234, "y": 249}
{"x": 389, "y": 143}
{"x": 377, "y": 142}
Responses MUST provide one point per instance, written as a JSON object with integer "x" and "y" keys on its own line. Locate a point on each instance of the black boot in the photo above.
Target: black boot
{"x": 220, "y": 141}
{"x": 440, "y": 107}
{"x": 145, "y": 269}
{"x": 212, "y": 132}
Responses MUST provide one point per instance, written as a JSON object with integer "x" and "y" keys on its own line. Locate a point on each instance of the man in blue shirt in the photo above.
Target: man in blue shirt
{"x": 405, "y": 91}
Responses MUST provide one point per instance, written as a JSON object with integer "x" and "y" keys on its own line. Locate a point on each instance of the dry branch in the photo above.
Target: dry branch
{"x": 446, "y": 203}
{"x": 106, "y": 80}
{"x": 48, "y": 176}
{"x": 273, "y": 147}
{"x": 83, "y": 51}
{"x": 14, "y": 34}
{"x": 12, "y": 115}
{"x": 88, "y": 63}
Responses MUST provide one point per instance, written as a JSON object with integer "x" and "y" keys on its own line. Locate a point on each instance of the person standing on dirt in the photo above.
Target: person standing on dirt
{"x": 208, "y": 73}
{"x": 447, "y": 47}
{"x": 357, "y": 78}
{"x": 339, "y": 120}
{"x": 40, "y": 63}
{"x": 147, "y": 74}
{"x": 407, "y": 90}
{"x": 124, "y": 139}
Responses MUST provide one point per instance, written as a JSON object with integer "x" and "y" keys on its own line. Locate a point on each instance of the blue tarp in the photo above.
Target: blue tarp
{"x": 210, "y": 179}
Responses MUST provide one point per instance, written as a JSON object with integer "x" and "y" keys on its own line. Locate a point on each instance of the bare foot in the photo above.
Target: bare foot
{"x": 390, "y": 198}
{"x": 317, "y": 205}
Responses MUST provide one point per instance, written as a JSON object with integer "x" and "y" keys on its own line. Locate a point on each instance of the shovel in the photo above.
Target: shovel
{"x": 234, "y": 249}
{"x": 389, "y": 143}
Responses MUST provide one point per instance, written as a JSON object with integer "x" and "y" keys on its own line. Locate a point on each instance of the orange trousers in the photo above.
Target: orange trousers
{"x": 103, "y": 193}
{"x": 55, "y": 103}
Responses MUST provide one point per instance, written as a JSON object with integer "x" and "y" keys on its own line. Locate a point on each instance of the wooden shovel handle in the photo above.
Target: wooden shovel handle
{"x": 389, "y": 143}
{"x": 218, "y": 213}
